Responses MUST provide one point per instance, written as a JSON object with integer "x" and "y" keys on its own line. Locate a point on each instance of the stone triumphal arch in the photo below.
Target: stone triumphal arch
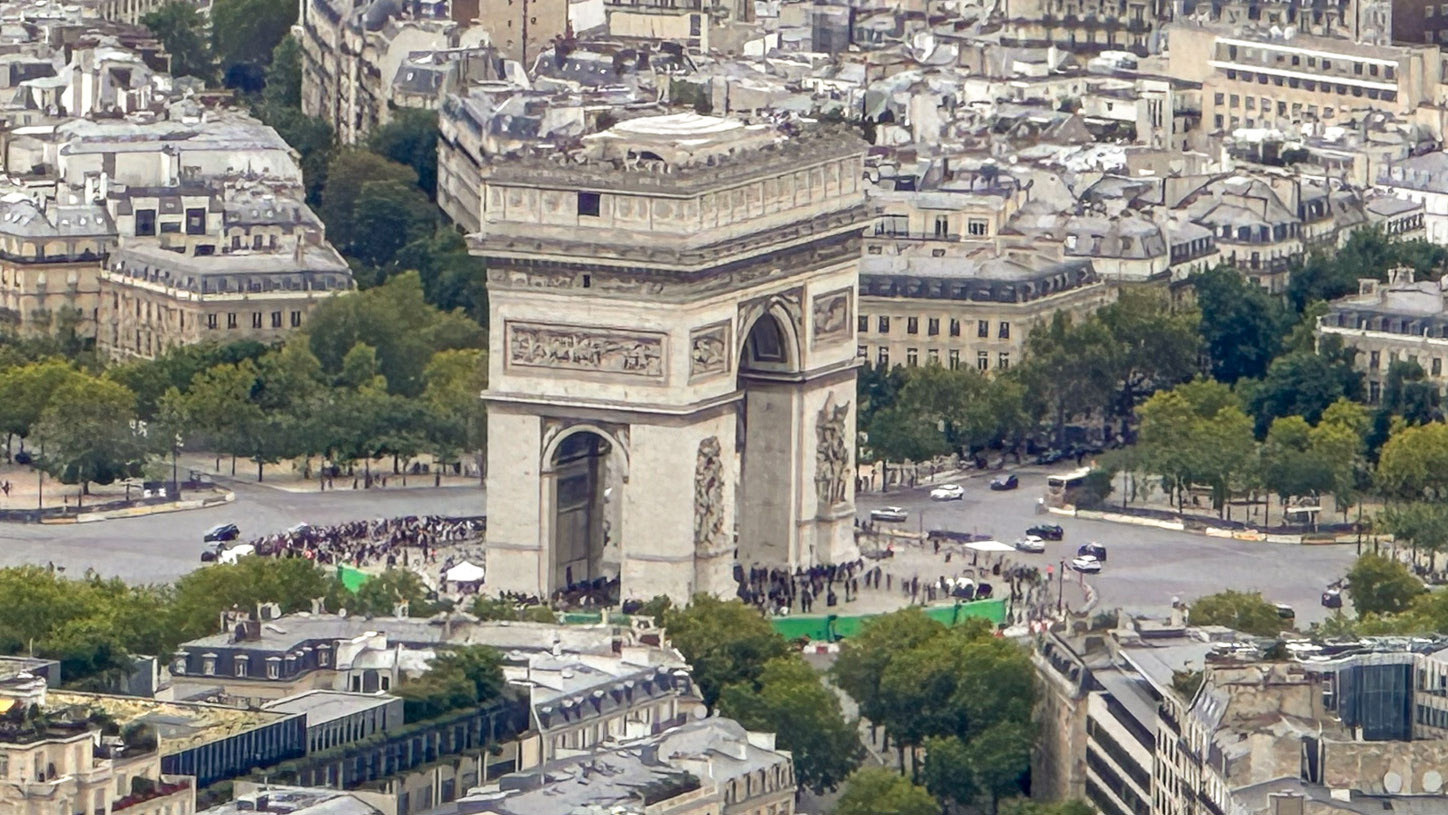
{"x": 672, "y": 380}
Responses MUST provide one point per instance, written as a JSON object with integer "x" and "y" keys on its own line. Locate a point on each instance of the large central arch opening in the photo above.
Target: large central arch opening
{"x": 585, "y": 563}
{"x": 768, "y": 364}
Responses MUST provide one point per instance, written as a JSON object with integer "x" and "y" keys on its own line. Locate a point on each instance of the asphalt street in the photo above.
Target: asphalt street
{"x": 160, "y": 548}
{"x": 1146, "y": 568}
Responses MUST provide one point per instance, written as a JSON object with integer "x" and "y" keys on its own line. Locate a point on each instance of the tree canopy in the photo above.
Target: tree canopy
{"x": 1241, "y": 611}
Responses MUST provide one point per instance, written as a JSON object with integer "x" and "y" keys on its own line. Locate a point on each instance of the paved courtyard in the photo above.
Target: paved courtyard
{"x": 1146, "y": 567}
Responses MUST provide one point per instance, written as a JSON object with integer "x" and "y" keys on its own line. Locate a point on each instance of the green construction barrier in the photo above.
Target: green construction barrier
{"x": 352, "y": 579}
{"x": 828, "y": 628}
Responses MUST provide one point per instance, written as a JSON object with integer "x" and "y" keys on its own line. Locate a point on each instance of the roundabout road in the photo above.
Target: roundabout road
{"x": 1146, "y": 567}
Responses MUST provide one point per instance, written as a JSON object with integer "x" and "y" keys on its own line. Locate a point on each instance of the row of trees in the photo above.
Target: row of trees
{"x": 1260, "y": 345}
{"x": 960, "y": 695}
{"x": 1101, "y": 366}
{"x": 94, "y": 625}
{"x": 380, "y": 373}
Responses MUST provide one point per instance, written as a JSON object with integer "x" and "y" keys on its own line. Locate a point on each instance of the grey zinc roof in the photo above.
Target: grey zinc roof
{"x": 296, "y": 801}
{"x": 991, "y": 278}
{"x": 20, "y": 216}
{"x": 322, "y": 706}
{"x": 293, "y": 630}
{"x": 141, "y": 257}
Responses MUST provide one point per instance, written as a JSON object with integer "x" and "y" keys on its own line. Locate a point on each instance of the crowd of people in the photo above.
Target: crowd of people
{"x": 390, "y": 541}
{"x": 780, "y": 591}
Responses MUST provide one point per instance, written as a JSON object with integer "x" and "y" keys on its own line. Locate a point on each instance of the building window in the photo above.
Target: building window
{"x": 196, "y": 221}
{"x": 912, "y": 325}
{"x": 954, "y": 358}
{"x": 942, "y": 226}
{"x": 982, "y": 329}
{"x": 256, "y": 319}
{"x": 241, "y": 662}
{"x": 882, "y": 357}
{"x": 145, "y": 222}
{"x": 276, "y": 319}
{"x": 296, "y": 319}
{"x": 982, "y": 360}
{"x": 912, "y": 357}
{"x": 954, "y": 327}
{"x": 256, "y": 242}
{"x": 211, "y": 321}
{"x": 933, "y": 355}
{"x": 1437, "y": 366}
{"x": 862, "y": 323}
{"x": 323, "y": 657}
{"x": 208, "y": 665}
{"x": 231, "y": 319}
{"x": 1005, "y": 330}
{"x": 932, "y": 326}
{"x": 1004, "y": 360}
{"x": 883, "y": 324}
{"x": 273, "y": 668}
{"x": 862, "y": 352}
{"x": 235, "y": 241}
{"x": 1374, "y": 359}
{"x": 588, "y": 204}
{"x": 978, "y": 227}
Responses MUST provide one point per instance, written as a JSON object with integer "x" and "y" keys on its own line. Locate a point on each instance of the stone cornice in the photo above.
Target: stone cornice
{"x": 556, "y": 168}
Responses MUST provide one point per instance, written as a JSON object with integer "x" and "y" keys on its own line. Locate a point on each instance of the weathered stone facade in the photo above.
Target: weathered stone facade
{"x": 683, "y": 285}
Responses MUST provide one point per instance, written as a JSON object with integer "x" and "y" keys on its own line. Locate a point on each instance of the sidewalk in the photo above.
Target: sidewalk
{"x": 301, "y": 475}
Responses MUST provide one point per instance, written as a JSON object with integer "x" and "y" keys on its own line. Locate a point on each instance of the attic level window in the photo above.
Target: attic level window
{"x": 145, "y": 222}
{"x": 588, "y": 204}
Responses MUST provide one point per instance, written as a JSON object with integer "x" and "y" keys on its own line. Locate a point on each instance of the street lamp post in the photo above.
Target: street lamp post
{"x": 1061, "y": 588}
{"x": 175, "y": 480}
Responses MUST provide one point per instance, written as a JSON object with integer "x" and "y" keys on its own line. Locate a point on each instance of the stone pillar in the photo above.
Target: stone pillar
{"x": 517, "y": 559}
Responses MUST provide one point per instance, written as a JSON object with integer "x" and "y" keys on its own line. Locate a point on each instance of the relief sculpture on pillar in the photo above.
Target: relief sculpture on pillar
{"x": 832, "y": 455}
{"x": 709, "y": 536}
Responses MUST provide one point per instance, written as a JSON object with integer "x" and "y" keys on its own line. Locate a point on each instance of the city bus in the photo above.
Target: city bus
{"x": 1061, "y": 489}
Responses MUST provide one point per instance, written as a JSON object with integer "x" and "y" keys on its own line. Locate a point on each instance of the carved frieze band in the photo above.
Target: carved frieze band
{"x": 831, "y": 314}
{"x": 834, "y": 460}
{"x": 575, "y": 348}
{"x": 709, "y": 350}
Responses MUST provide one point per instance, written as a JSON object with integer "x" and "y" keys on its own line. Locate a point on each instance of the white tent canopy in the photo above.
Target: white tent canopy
{"x": 989, "y": 546}
{"x": 465, "y": 572}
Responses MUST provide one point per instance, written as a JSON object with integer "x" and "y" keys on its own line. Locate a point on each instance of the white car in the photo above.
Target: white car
{"x": 1086, "y": 563}
{"x": 236, "y": 553}
{"x": 947, "y": 492}
{"x": 896, "y": 514}
{"x": 1030, "y": 543}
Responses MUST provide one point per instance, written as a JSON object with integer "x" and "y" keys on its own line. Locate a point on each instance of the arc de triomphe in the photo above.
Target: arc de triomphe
{"x": 673, "y": 355}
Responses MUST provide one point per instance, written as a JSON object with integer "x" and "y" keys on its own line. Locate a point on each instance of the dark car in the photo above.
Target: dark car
{"x": 1050, "y": 532}
{"x": 1005, "y": 482}
{"x": 222, "y": 533}
{"x": 1051, "y": 457}
{"x": 1332, "y": 598}
{"x": 1093, "y": 549}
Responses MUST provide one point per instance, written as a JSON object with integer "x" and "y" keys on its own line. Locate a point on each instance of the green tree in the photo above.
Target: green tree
{"x": 182, "y": 30}
{"x": 26, "y": 391}
{"x": 1068, "y": 369}
{"x": 348, "y": 172}
{"x": 878, "y": 791}
{"x": 1152, "y": 345}
{"x": 864, "y": 657}
{"x": 463, "y": 677}
{"x": 453, "y": 380}
{"x": 452, "y": 278}
{"x": 1291, "y": 465}
{"x": 1304, "y": 383}
{"x": 387, "y": 216}
{"x": 244, "y": 35}
{"x": 1381, "y": 585}
{"x": 284, "y": 76}
{"x": 395, "y": 320}
{"x": 411, "y": 139}
{"x": 1414, "y": 463}
{"x": 1242, "y": 325}
{"x": 725, "y": 641}
{"x": 380, "y": 595}
{"x": 291, "y": 583}
{"x": 1023, "y": 806}
{"x": 1240, "y": 611}
{"x": 789, "y": 699}
{"x": 90, "y": 433}
{"x": 1421, "y": 524}
{"x": 1197, "y": 434}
